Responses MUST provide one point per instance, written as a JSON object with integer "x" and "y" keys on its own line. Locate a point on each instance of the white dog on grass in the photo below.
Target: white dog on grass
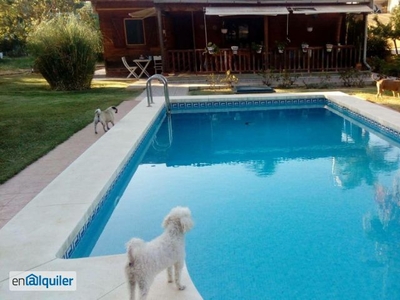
{"x": 104, "y": 117}
{"x": 146, "y": 260}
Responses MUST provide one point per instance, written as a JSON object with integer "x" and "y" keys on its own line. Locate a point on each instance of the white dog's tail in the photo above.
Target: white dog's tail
{"x": 134, "y": 246}
{"x": 97, "y": 113}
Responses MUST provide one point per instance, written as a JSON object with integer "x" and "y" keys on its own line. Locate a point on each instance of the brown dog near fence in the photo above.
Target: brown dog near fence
{"x": 389, "y": 85}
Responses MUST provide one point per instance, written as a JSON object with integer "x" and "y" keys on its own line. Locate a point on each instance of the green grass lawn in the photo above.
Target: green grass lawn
{"x": 35, "y": 119}
{"x": 16, "y": 65}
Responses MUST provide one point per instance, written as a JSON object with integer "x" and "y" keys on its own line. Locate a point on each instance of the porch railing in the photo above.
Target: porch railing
{"x": 314, "y": 59}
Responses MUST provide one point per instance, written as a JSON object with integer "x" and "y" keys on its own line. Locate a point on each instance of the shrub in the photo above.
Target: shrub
{"x": 377, "y": 46}
{"x": 353, "y": 77}
{"x": 391, "y": 67}
{"x": 268, "y": 76}
{"x": 213, "y": 80}
{"x": 287, "y": 79}
{"x": 377, "y": 64}
{"x": 323, "y": 82}
{"x": 229, "y": 79}
{"x": 65, "y": 51}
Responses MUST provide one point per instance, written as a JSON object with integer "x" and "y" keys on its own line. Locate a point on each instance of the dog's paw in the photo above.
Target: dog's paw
{"x": 181, "y": 287}
{"x": 170, "y": 280}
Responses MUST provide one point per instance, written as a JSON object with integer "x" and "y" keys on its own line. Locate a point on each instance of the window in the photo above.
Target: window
{"x": 134, "y": 32}
{"x": 237, "y": 32}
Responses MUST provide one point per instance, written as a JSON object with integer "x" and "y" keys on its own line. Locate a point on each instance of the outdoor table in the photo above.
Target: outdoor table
{"x": 142, "y": 63}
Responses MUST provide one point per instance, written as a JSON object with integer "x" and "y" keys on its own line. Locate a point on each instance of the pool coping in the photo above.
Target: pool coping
{"x": 65, "y": 205}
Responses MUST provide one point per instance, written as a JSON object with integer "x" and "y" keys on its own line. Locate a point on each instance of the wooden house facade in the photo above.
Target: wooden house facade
{"x": 318, "y": 36}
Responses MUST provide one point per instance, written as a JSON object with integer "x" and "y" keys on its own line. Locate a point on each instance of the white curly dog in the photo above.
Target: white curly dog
{"x": 167, "y": 251}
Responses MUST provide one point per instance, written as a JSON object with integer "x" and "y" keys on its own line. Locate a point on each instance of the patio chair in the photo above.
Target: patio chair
{"x": 158, "y": 64}
{"x": 131, "y": 69}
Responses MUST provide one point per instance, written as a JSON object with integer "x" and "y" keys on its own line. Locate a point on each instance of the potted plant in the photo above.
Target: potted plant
{"x": 212, "y": 48}
{"x": 280, "y": 45}
{"x": 304, "y": 46}
{"x": 234, "y": 49}
{"x": 224, "y": 30}
{"x": 329, "y": 47}
{"x": 256, "y": 47}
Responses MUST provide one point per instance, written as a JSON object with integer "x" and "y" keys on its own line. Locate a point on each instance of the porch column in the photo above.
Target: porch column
{"x": 161, "y": 39}
{"x": 338, "y": 29}
{"x": 194, "y": 42}
{"x": 266, "y": 42}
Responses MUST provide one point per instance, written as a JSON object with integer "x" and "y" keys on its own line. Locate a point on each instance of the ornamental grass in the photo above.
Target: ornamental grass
{"x": 65, "y": 51}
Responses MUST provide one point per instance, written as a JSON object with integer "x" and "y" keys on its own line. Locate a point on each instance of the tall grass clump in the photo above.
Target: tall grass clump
{"x": 65, "y": 50}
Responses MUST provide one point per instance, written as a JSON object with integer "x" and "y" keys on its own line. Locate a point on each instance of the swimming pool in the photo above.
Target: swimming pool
{"x": 260, "y": 231}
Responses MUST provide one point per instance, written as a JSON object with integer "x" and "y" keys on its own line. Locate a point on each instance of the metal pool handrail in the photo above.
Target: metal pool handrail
{"x": 159, "y": 147}
{"x": 149, "y": 91}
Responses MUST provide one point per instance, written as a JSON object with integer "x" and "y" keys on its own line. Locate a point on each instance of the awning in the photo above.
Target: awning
{"x": 143, "y": 13}
{"x": 248, "y": 11}
{"x": 349, "y": 8}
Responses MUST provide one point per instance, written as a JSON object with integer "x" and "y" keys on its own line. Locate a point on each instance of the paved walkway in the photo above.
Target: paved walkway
{"x": 22, "y": 188}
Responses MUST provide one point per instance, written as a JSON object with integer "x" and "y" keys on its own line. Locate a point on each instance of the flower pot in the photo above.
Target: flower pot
{"x": 234, "y": 49}
{"x": 329, "y": 47}
{"x": 280, "y": 50}
{"x": 224, "y": 30}
{"x": 210, "y": 50}
{"x": 304, "y": 47}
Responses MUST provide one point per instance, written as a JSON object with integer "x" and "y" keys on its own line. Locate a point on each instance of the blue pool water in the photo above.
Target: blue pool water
{"x": 288, "y": 204}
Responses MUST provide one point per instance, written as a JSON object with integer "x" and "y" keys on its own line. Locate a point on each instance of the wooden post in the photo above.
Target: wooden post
{"x": 266, "y": 42}
{"x": 194, "y": 44}
{"x": 338, "y": 29}
{"x": 161, "y": 38}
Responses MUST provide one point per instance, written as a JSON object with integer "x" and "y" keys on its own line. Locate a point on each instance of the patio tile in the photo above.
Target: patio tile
{"x": 3, "y": 222}
{"x": 11, "y": 187}
{"x": 22, "y": 199}
{"x": 5, "y": 199}
{"x": 9, "y": 211}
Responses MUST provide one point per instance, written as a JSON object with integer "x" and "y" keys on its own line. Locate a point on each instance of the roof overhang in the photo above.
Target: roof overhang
{"x": 246, "y": 11}
{"x": 143, "y": 13}
{"x": 346, "y": 8}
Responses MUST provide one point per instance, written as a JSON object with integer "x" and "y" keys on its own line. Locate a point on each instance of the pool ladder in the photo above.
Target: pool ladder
{"x": 163, "y": 147}
{"x": 149, "y": 90}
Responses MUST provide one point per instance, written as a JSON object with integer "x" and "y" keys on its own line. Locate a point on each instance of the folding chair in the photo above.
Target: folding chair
{"x": 130, "y": 69}
{"x": 158, "y": 64}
